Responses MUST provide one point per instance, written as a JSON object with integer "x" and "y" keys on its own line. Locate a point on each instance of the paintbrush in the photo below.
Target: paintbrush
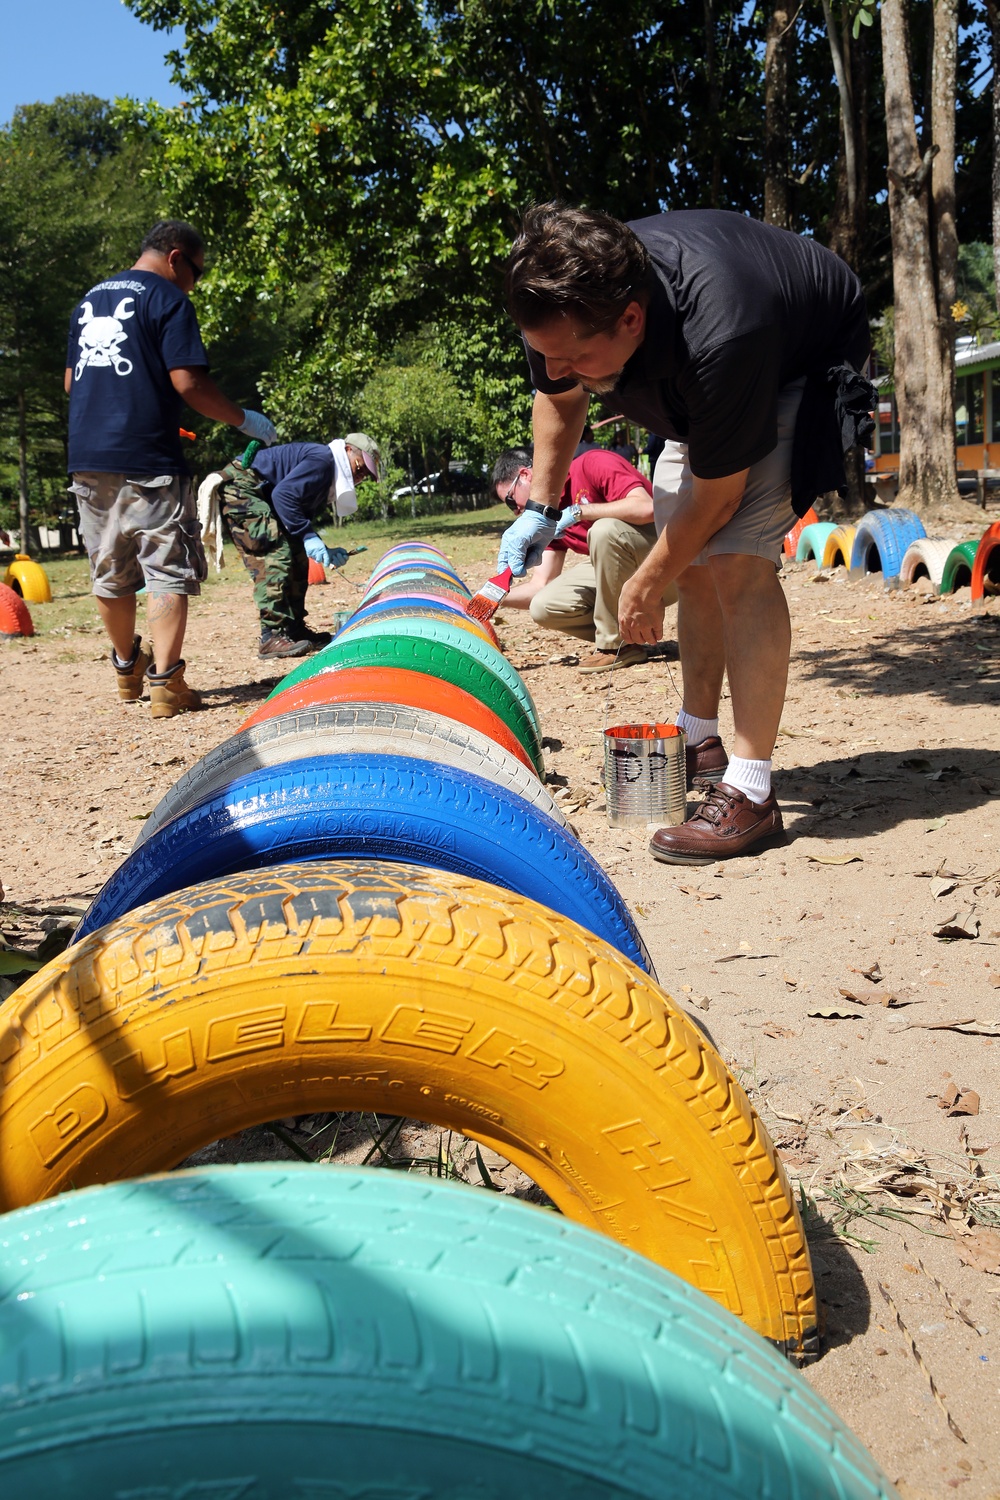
{"x": 484, "y": 605}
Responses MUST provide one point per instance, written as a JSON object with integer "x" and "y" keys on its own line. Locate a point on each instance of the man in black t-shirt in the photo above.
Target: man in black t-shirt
{"x": 741, "y": 344}
{"x": 134, "y": 357}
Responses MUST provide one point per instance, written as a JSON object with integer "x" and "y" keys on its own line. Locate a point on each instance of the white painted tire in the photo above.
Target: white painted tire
{"x": 925, "y": 557}
{"x": 356, "y": 729}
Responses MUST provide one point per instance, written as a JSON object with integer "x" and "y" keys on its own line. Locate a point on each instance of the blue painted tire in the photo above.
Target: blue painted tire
{"x": 456, "y": 638}
{"x": 401, "y": 809}
{"x": 881, "y": 540}
{"x": 416, "y": 576}
{"x": 812, "y": 540}
{"x": 403, "y": 1334}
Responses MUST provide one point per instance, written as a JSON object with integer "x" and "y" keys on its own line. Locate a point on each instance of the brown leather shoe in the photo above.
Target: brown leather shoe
{"x": 726, "y": 823}
{"x": 706, "y": 763}
{"x": 612, "y": 661}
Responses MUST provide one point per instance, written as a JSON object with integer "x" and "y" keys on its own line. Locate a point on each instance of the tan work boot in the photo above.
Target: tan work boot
{"x": 169, "y": 694}
{"x": 130, "y": 676}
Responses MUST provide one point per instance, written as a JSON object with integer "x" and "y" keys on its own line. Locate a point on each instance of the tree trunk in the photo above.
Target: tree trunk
{"x": 943, "y": 79}
{"x": 849, "y": 159}
{"x": 777, "y": 175}
{"x": 848, "y": 224}
{"x": 993, "y": 12}
{"x": 22, "y": 471}
{"x": 924, "y": 393}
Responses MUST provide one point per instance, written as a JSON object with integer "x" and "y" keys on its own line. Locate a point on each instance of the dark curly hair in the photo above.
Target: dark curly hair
{"x": 577, "y": 262}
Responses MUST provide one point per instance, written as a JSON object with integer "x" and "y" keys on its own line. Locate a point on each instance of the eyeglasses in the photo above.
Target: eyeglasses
{"x": 196, "y": 271}
{"x": 508, "y": 498}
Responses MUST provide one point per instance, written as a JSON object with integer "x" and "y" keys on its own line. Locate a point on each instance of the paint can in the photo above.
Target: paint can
{"x": 645, "y": 776}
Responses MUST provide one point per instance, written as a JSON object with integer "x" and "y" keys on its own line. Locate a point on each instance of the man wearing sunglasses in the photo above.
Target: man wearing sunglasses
{"x": 134, "y": 357}
{"x": 606, "y": 516}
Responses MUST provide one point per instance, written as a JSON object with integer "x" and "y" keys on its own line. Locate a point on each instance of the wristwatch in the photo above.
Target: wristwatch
{"x": 550, "y": 512}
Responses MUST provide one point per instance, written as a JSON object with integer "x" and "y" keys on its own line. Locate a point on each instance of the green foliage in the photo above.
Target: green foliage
{"x": 414, "y": 409}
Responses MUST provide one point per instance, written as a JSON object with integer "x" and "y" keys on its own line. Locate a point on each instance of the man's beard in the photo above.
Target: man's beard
{"x": 602, "y": 386}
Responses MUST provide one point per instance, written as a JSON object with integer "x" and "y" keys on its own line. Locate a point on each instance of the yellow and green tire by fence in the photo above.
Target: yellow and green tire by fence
{"x": 394, "y": 988}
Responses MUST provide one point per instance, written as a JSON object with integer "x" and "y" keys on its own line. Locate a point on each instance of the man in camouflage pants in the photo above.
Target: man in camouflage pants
{"x": 270, "y": 509}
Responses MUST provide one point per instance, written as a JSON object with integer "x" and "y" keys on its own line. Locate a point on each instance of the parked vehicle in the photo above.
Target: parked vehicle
{"x": 458, "y": 479}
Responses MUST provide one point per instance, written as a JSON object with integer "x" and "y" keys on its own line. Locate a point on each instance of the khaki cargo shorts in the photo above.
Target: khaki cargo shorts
{"x": 765, "y": 514}
{"x": 140, "y": 531}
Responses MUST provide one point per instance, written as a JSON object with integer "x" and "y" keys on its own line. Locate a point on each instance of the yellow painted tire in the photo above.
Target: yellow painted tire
{"x": 405, "y": 991}
{"x": 838, "y": 546}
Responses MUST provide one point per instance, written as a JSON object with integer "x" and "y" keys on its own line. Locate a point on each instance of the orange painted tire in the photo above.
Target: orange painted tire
{"x": 986, "y": 567}
{"x": 15, "y": 617}
{"x": 792, "y": 538}
{"x": 393, "y": 685}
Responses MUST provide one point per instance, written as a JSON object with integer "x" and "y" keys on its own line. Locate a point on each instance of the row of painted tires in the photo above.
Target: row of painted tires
{"x": 219, "y": 985}
{"x": 895, "y": 544}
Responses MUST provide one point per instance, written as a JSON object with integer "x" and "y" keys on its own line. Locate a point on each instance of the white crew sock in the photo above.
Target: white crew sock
{"x": 751, "y": 777}
{"x": 696, "y": 730}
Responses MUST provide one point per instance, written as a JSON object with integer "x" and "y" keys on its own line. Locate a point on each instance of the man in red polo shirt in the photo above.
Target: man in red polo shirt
{"x": 607, "y": 517}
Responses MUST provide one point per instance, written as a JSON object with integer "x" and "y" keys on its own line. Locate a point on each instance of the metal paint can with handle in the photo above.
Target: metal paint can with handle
{"x": 645, "y": 776}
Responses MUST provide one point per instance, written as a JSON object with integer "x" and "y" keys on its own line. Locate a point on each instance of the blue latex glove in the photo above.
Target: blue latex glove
{"x": 338, "y": 556}
{"x": 317, "y": 548}
{"x": 523, "y": 543}
{"x": 256, "y": 425}
{"x": 569, "y": 518}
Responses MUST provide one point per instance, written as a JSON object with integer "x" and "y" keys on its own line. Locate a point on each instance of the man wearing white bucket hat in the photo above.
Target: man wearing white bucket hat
{"x": 742, "y": 345}
{"x": 271, "y": 509}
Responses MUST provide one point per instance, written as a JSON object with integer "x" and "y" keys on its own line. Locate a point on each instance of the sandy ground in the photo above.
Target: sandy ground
{"x": 888, "y": 773}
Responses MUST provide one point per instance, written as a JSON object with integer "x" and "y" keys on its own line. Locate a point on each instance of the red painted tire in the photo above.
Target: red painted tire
{"x": 15, "y": 617}
{"x": 792, "y": 537}
{"x": 316, "y": 573}
{"x": 986, "y": 567}
{"x": 393, "y": 685}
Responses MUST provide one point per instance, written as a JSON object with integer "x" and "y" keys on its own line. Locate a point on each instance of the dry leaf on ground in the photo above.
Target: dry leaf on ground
{"x": 833, "y": 1013}
{"x": 834, "y": 859}
{"x": 980, "y": 1250}
{"x": 961, "y": 925}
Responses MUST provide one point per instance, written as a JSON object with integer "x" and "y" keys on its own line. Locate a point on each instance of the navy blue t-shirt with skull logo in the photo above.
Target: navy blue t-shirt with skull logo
{"x": 125, "y": 337}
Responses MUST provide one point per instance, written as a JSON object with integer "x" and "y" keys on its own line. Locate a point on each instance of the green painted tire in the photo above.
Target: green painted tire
{"x": 960, "y": 561}
{"x": 252, "y": 1331}
{"x": 459, "y": 637}
{"x": 413, "y": 653}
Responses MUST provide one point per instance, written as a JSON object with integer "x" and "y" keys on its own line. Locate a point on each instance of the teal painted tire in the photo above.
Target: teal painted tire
{"x": 958, "y": 569}
{"x": 417, "y": 577}
{"x": 249, "y": 1332}
{"x": 812, "y": 540}
{"x": 417, "y": 564}
{"x": 433, "y": 659}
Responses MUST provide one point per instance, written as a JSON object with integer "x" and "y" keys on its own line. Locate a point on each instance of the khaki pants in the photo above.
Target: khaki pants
{"x": 583, "y": 601}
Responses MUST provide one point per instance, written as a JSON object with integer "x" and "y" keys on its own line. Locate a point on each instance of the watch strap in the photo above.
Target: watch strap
{"x": 550, "y": 512}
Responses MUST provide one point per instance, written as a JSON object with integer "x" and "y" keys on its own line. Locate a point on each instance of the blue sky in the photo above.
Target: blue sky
{"x": 52, "y": 47}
